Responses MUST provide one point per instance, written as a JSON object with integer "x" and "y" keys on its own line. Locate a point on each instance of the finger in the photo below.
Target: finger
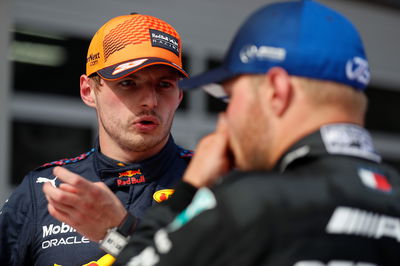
{"x": 71, "y": 215}
{"x": 61, "y": 207}
{"x": 60, "y": 215}
{"x": 68, "y": 188}
{"x": 222, "y": 123}
{"x": 58, "y": 197}
{"x": 81, "y": 184}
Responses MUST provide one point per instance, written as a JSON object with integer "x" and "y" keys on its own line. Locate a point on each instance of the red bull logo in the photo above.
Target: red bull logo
{"x": 130, "y": 177}
{"x": 130, "y": 181}
{"x": 130, "y": 173}
{"x": 162, "y": 195}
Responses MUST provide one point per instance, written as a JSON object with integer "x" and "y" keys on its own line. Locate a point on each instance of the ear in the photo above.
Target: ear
{"x": 282, "y": 90}
{"x": 87, "y": 92}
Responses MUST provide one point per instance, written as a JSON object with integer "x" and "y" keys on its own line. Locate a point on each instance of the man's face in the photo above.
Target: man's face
{"x": 247, "y": 123}
{"x": 136, "y": 112}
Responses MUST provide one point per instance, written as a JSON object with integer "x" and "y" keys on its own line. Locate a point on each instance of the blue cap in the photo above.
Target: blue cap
{"x": 304, "y": 37}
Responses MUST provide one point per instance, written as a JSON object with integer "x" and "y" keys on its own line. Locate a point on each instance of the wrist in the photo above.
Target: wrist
{"x": 117, "y": 237}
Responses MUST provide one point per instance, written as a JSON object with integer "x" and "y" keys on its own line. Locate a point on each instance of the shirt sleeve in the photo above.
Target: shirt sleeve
{"x": 15, "y": 225}
{"x": 156, "y": 218}
{"x": 179, "y": 232}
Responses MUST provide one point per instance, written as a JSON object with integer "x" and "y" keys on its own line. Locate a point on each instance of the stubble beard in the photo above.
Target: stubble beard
{"x": 130, "y": 141}
{"x": 251, "y": 143}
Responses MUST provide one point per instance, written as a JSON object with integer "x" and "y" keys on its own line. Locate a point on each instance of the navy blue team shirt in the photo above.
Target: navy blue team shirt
{"x": 29, "y": 235}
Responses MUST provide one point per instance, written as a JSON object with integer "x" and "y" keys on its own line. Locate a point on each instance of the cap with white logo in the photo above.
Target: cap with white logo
{"x": 126, "y": 44}
{"x": 304, "y": 37}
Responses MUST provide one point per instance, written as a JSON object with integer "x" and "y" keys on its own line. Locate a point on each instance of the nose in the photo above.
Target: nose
{"x": 149, "y": 97}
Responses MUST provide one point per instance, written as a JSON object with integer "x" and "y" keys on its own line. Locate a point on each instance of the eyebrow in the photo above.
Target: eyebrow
{"x": 166, "y": 76}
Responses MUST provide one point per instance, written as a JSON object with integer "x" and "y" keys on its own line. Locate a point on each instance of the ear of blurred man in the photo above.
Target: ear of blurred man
{"x": 280, "y": 84}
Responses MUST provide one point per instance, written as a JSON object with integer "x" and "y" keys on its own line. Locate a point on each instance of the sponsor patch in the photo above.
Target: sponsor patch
{"x": 60, "y": 234}
{"x": 128, "y": 65}
{"x": 103, "y": 261}
{"x": 252, "y": 52}
{"x": 357, "y": 222}
{"x": 374, "y": 180}
{"x": 46, "y": 180}
{"x": 164, "y": 40}
{"x": 71, "y": 240}
{"x": 54, "y": 229}
{"x": 93, "y": 59}
{"x": 130, "y": 173}
{"x": 162, "y": 195}
{"x": 130, "y": 177}
{"x": 350, "y": 140}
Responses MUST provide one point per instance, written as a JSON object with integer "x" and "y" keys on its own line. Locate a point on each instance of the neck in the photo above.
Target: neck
{"x": 286, "y": 136}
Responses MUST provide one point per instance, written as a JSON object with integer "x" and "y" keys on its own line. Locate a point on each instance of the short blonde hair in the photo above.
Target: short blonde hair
{"x": 323, "y": 93}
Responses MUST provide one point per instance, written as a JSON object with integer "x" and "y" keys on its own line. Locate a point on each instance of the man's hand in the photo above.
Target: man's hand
{"x": 90, "y": 208}
{"x": 212, "y": 158}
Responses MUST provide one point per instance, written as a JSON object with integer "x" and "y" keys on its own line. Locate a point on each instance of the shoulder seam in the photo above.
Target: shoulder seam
{"x": 61, "y": 162}
{"x": 184, "y": 153}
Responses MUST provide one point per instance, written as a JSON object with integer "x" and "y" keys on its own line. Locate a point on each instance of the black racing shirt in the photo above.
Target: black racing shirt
{"x": 329, "y": 201}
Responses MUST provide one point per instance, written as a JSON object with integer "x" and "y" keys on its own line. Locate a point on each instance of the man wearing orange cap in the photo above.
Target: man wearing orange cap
{"x": 133, "y": 65}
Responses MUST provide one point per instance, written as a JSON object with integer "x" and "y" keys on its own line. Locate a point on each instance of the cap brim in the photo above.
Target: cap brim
{"x": 214, "y": 76}
{"x": 126, "y": 68}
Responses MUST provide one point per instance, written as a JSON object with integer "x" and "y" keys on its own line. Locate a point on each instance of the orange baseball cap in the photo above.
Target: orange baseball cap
{"x": 126, "y": 44}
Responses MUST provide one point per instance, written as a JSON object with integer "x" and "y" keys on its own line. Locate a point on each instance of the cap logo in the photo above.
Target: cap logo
{"x": 251, "y": 52}
{"x": 164, "y": 40}
{"x": 357, "y": 69}
{"x": 93, "y": 59}
{"x": 128, "y": 65}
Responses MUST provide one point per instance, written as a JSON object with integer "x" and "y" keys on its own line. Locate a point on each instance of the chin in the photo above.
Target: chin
{"x": 144, "y": 142}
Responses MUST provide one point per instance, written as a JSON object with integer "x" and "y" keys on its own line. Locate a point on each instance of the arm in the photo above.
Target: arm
{"x": 16, "y": 218}
{"x": 168, "y": 238}
{"x": 90, "y": 208}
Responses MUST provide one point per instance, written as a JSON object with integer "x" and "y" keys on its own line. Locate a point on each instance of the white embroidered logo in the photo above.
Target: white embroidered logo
{"x": 252, "y": 52}
{"x": 358, "y": 69}
{"x": 45, "y": 180}
{"x": 128, "y": 65}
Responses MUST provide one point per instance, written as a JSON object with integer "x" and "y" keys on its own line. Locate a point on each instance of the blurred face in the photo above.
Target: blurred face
{"x": 247, "y": 123}
{"x": 135, "y": 113}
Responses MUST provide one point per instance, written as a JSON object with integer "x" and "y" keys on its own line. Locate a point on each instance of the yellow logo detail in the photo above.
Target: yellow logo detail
{"x": 106, "y": 260}
{"x": 163, "y": 194}
{"x": 130, "y": 173}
